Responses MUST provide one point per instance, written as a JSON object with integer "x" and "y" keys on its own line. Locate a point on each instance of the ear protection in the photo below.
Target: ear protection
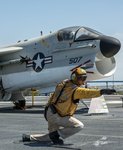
{"x": 78, "y": 74}
{"x": 73, "y": 76}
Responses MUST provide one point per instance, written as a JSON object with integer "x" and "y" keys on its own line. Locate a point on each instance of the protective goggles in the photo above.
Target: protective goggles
{"x": 82, "y": 77}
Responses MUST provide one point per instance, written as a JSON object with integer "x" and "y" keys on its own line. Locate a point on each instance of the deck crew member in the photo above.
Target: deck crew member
{"x": 63, "y": 104}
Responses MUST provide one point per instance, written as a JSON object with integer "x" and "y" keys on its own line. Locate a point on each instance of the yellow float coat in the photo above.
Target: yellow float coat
{"x": 66, "y": 104}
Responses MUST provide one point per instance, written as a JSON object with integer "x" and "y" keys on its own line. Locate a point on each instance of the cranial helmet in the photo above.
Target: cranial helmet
{"x": 78, "y": 74}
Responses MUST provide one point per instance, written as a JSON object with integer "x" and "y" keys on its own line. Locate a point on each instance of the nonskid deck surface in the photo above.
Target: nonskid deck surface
{"x": 100, "y": 132}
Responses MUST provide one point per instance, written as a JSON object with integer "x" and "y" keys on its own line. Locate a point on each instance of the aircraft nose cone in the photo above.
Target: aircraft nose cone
{"x": 109, "y": 46}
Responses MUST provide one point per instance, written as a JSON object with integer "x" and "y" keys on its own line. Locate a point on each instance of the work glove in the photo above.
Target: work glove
{"x": 107, "y": 91}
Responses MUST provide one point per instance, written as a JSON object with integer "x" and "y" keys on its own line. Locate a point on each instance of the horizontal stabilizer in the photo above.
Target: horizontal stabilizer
{"x": 9, "y": 50}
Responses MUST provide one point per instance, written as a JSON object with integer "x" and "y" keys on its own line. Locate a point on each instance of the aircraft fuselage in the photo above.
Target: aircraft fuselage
{"x": 45, "y": 61}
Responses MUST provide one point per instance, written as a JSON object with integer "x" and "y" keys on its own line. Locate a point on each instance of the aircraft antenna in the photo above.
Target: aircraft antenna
{"x": 41, "y": 32}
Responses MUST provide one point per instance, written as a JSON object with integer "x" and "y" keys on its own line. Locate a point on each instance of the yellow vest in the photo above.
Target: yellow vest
{"x": 65, "y": 105}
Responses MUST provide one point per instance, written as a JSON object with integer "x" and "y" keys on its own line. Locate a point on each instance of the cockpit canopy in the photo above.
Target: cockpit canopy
{"x": 77, "y": 33}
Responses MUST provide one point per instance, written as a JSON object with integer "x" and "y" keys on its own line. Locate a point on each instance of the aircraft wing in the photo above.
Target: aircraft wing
{"x": 9, "y": 50}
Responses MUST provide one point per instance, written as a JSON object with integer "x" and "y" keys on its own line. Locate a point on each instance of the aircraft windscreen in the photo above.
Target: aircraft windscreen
{"x": 93, "y": 31}
{"x": 86, "y": 34}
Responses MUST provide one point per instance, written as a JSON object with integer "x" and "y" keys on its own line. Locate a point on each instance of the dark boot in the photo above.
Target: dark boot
{"x": 54, "y": 136}
{"x": 26, "y": 138}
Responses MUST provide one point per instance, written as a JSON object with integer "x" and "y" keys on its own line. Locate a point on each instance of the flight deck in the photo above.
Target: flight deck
{"x": 101, "y": 131}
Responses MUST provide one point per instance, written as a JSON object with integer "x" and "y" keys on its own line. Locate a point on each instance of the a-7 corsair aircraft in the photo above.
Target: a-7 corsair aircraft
{"x": 44, "y": 61}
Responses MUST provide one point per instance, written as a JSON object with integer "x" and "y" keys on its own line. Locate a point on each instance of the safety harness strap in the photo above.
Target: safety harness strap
{"x": 76, "y": 100}
{"x": 60, "y": 93}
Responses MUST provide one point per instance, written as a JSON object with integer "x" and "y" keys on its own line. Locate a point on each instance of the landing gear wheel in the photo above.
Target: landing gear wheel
{"x": 19, "y": 104}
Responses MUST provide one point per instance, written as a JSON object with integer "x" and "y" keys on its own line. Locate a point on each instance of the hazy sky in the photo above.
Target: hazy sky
{"x": 24, "y": 19}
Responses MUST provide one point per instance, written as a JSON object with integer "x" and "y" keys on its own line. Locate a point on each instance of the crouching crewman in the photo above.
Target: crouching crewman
{"x": 63, "y": 103}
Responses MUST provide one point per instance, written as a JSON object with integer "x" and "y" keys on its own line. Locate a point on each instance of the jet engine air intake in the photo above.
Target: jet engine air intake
{"x": 106, "y": 66}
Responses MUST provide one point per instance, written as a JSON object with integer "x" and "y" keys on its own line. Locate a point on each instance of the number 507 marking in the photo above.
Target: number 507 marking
{"x": 75, "y": 60}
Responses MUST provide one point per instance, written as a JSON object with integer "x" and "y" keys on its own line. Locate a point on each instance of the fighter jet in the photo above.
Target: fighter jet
{"x": 46, "y": 60}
